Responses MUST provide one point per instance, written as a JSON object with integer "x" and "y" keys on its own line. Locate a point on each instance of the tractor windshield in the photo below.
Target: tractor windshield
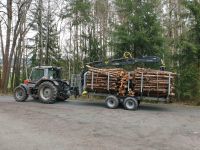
{"x": 37, "y": 74}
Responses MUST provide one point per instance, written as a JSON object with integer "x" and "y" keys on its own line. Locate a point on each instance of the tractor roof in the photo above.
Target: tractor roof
{"x": 47, "y": 67}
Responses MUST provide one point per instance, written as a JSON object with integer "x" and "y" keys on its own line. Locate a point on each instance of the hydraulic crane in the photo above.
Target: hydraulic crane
{"x": 125, "y": 61}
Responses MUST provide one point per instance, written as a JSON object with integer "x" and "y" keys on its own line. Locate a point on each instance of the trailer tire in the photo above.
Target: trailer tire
{"x": 112, "y": 102}
{"x": 20, "y": 94}
{"x": 130, "y": 103}
{"x": 47, "y": 93}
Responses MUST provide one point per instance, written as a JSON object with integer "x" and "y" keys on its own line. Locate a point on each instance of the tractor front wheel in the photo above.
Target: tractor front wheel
{"x": 47, "y": 93}
{"x": 20, "y": 94}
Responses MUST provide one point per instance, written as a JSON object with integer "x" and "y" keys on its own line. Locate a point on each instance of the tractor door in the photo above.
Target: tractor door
{"x": 37, "y": 74}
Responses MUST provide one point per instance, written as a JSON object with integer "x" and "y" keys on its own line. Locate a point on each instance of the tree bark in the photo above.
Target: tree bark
{"x": 6, "y": 54}
{"x": 9, "y": 52}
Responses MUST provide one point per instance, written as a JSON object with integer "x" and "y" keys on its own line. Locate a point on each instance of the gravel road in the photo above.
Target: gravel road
{"x": 77, "y": 125}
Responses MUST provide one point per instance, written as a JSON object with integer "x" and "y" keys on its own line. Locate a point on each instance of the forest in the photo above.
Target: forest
{"x": 71, "y": 33}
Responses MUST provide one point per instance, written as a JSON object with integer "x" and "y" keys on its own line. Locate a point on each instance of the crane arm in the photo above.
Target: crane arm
{"x": 126, "y": 61}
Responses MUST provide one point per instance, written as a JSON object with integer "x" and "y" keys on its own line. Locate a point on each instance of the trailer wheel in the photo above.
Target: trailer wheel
{"x": 47, "y": 93}
{"x": 112, "y": 102}
{"x": 130, "y": 103}
{"x": 20, "y": 94}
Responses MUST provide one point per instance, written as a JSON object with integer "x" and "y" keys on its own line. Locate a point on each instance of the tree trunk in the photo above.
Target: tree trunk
{"x": 40, "y": 46}
{"x": 7, "y": 48}
{"x": 9, "y": 52}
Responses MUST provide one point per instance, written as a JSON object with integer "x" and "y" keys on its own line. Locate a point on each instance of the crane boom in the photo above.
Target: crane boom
{"x": 126, "y": 61}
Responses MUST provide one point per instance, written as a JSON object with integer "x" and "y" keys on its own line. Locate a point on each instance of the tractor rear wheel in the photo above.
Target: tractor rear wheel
{"x": 20, "y": 94}
{"x": 47, "y": 92}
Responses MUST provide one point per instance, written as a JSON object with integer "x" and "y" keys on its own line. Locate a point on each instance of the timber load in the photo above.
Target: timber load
{"x": 153, "y": 83}
{"x": 113, "y": 81}
{"x": 140, "y": 82}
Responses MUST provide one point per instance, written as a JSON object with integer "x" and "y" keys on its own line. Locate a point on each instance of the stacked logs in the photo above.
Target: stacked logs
{"x": 113, "y": 81}
{"x": 154, "y": 83}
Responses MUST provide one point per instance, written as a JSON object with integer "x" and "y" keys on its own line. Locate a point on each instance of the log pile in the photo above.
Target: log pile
{"x": 107, "y": 80}
{"x": 153, "y": 83}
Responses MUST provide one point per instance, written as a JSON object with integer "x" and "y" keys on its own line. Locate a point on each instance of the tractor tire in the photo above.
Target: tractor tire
{"x": 112, "y": 102}
{"x": 20, "y": 94}
{"x": 130, "y": 103}
{"x": 47, "y": 92}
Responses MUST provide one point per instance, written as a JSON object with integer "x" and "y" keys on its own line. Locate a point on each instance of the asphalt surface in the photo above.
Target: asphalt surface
{"x": 77, "y": 125}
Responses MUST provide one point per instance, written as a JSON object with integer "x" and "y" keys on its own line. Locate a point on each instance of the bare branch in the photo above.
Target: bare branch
{"x": 2, "y": 18}
{"x": 3, "y": 5}
{"x": 3, "y": 12}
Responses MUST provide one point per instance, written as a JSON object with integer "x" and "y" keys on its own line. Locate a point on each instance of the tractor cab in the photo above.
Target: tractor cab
{"x": 45, "y": 72}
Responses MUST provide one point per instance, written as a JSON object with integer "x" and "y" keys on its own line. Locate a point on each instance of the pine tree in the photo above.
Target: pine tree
{"x": 189, "y": 56}
{"x": 46, "y": 49}
{"x": 139, "y": 30}
{"x": 52, "y": 50}
{"x": 78, "y": 14}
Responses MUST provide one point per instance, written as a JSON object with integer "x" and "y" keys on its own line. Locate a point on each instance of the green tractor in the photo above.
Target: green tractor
{"x": 44, "y": 84}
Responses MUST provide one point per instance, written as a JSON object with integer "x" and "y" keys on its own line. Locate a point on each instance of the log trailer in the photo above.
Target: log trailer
{"x": 127, "y": 88}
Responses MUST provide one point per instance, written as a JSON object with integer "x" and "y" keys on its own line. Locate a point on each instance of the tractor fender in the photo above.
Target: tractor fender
{"x": 56, "y": 83}
{"x": 46, "y": 80}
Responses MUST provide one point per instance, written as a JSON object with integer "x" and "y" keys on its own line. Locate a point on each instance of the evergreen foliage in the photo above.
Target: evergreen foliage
{"x": 189, "y": 57}
{"x": 46, "y": 50}
{"x": 139, "y": 31}
{"x": 77, "y": 11}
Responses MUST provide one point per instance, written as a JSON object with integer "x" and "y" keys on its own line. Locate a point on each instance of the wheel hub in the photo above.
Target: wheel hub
{"x": 111, "y": 103}
{"x": 130, "y": 104}
{"x": 45, "y": 93}
{"x": 19, "y": 94}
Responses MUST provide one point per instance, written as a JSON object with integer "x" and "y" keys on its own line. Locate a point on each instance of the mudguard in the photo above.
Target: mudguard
{"x": 56, "y": 83}
{"x": 44, "y": 80}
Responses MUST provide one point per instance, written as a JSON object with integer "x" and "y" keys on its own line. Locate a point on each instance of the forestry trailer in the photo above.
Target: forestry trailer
{"x": 121, "y": 86}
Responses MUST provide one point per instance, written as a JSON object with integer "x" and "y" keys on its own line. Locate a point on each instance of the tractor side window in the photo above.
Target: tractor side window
{"x": 54, "y": 74}
{"x": 37, "y": 74}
